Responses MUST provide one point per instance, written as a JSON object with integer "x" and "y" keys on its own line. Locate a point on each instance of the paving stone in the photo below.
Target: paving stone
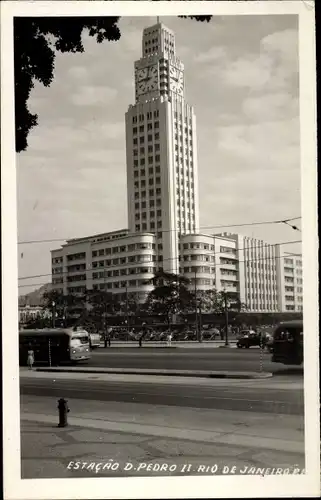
{"x": 86, "y": 435}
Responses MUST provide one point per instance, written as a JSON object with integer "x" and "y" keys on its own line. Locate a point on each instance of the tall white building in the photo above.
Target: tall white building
{"x": 163, "y": 211}
{"x": 161, "y": 149}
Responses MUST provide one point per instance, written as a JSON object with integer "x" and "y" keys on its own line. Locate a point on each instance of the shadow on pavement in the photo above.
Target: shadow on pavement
{"x": 297, "y": 370}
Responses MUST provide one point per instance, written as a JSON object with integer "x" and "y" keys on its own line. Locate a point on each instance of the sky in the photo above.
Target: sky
{"x": 242, "y": 78}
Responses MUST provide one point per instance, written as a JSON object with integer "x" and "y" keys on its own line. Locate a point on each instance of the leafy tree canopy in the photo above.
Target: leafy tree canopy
{"x": 36, "y": 40}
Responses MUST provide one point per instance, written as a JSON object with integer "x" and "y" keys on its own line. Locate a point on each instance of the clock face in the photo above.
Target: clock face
{"x": 147, "y": 79}
{"x": 176, "y": 80}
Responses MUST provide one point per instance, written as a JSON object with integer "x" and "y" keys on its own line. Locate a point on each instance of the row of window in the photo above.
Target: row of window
{"x": 193, "y": 246}
{"x": 268, "y": 285}
{"x": 266, "y": 296}
{"x": 199, "y": 269}
{"x": 123, "y": 260}
{"x": 57, "y": 270}
{"x": 178, "y": 117}
{"x": 151, "y": 159}
{"x": 76, "y": 256}
{"x": 179, "y": 159}
{"x": 143, "y": 182}
{"x": 152, "y": 203}
{"x": 254, "y": 264}
{"x": 124, "y": 248}
{"x": 123, "y": 272}
{"x": 77, "y": 267}
{"x": 199, "y": 257}
{"x": 57, "y": 260}
{"x": 76, "y": 277}
{"x": 141, "y": 117}
{"x": 228, "y": 273}
{"x": 151, "y": 213}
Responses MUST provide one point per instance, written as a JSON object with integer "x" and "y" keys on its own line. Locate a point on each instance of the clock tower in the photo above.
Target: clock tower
{"x": 161, "y": 149}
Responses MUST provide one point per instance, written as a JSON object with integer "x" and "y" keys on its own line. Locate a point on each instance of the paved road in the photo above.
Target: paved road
{"x": 243, "y": 398}
{"x": 187, "y": 359}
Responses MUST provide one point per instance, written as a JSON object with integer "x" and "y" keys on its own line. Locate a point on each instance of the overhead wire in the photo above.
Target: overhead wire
{"x": 280, "y": 221}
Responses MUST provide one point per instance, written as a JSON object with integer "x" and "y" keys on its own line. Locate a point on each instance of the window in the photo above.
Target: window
{"x": 157, "y": 169}
{"x": 150, "y": 160}
{"x": 157, "y": 157}
{"x": 150, "y": 138}
{"x": 150, "y": 149}
{"x": 141, "y": 128}
{"x": 156, "y": 124}
{"x": 141, "y": 139}
{"x": 135, "y": 141}
{"x": 137, "y": 227}
{"x": 142, "y": 161}
{"x": 156, "y": 136}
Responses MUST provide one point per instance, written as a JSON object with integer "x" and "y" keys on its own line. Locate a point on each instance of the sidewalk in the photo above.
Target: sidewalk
{"x": 149, "y": 434}
{"x": 269, "y": 383}
{"x": 148, "y": 371}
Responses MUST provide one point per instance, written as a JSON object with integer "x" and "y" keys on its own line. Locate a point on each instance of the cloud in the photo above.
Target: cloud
{"x": 274, "y": 143}
{"x": 78, "y": 72}
{"x": 271, "y": 106}
{"x": 271, "y": 68}
{"x": 88, "y": 95}
{"x": 212, "y": 55}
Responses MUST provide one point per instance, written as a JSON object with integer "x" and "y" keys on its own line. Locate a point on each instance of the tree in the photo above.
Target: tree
{"x": 170, "y": 295}
{"x": 36, "y": 41}
{"x": 64, "y": 307}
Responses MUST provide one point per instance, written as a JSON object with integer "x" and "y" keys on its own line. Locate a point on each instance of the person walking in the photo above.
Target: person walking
{"x": 31, "y": 358}
{"x": 169, "y": 339}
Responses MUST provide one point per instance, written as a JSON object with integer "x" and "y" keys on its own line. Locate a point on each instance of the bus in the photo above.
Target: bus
{"x": 287, "y": 344}
{"x": 54, "y": 346}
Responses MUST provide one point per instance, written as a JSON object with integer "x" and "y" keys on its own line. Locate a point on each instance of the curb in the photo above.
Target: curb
{"x": 170, "y": 373}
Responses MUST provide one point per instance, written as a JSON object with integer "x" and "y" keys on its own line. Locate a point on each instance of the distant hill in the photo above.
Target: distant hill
{"x": 34, "y": 298}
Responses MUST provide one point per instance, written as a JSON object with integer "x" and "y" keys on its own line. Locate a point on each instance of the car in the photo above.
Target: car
{"x": 250, "y": 338}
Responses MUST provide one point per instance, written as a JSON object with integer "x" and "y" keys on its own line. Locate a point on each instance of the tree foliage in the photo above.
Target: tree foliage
{"x": 36, "y": 41}
{"x": 170, "y": 295}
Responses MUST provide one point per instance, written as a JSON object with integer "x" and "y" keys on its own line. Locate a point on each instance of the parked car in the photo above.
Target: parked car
{"x": 249, "y": 338}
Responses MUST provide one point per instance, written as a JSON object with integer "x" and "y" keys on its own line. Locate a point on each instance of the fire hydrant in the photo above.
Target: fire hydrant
{"x": 63, "y": 412}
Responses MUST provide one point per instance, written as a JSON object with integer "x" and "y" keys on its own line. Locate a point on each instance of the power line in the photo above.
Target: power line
{"x": 103, "y": 268}
{"x": 284, "y": 221}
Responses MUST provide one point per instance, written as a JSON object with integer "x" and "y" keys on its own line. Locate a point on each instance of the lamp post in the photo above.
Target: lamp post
{"x": 196, "y": 309}
{"x": 127, "y": 312}
{"x": 200, "y": 320}
{"x": 53, "y": 314}
{"x": 226, "y": 319}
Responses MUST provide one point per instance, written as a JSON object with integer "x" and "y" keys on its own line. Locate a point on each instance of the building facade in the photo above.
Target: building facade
{"x": 161, "y": 149}
{"x": 290, "y": 281}
{"x": 163, "y": 208}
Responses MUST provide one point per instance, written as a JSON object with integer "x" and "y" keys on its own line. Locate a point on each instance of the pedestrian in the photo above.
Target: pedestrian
{"x": 169, "y": 339}
{"x": 31, "y": 358}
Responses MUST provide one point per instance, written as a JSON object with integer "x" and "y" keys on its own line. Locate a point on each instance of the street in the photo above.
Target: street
{"x": 242, "y": 398}
{"x": 207, "y": 358}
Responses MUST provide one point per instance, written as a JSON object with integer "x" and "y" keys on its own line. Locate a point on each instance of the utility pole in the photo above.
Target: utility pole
{"x": 196, "y": 311}
{"x": 226, "y": 319}
{"x": 127, "y": 315}
{"x": 53, "y": 314}
{"x": 200, "y": 320}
